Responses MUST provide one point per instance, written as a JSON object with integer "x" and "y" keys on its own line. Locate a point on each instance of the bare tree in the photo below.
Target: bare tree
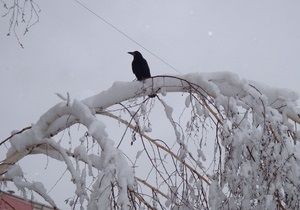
{"x": 22, "y": 15}
{"x": 230, "y": 144}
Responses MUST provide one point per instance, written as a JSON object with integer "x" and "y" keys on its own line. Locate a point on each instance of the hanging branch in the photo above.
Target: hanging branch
{"x": 20, "y": 12}
{"x": 253, "y": 143}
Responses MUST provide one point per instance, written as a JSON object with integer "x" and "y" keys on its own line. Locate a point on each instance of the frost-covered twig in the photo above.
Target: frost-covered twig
{"x": 14, "y": 133}
{"x": 255, "y": 143}
{"x": 15, "y": 174}
{"x": 160, "y": 147}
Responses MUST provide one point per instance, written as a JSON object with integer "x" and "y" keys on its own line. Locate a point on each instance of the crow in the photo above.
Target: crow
{"x": 140, "y": 66}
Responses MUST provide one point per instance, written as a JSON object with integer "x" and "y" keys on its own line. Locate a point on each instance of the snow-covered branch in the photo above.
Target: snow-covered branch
{"x": 218, "y": 84}
{"x": 254, "y": 155}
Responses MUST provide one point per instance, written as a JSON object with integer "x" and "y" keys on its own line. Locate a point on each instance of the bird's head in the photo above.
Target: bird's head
{"x": 135, "y": 53}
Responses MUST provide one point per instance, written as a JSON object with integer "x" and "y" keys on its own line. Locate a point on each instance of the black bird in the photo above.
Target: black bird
{"x": 140, "y": 66}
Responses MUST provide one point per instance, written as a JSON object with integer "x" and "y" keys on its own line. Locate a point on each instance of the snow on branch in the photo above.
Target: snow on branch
{"x": 216, "y": 85}
{"x": 254, "y": 155}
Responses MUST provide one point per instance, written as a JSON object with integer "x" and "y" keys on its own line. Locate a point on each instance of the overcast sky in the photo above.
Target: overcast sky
{"x": 72, "y": 50}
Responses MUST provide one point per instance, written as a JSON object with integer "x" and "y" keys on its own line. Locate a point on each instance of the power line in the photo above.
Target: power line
{"x": 127, "y": 36}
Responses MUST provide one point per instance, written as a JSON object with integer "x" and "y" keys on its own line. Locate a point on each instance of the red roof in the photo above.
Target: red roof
{"x": 10, "y": 202}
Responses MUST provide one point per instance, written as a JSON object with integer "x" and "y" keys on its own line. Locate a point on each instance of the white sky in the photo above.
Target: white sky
{"x": 72, "y": 50}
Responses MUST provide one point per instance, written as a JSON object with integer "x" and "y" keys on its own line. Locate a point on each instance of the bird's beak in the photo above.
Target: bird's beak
{"x": 131, "y": 53}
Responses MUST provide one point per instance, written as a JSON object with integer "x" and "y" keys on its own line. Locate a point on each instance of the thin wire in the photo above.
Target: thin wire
{"x": 127, "y": 36}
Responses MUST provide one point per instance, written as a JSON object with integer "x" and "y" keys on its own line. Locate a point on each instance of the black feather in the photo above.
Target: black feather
{"x": 140, "y": 66}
